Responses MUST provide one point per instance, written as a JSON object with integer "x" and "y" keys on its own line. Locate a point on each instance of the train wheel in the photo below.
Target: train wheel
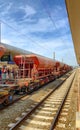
{"x": 6, "y": 102}
{"x": 37, "y": 86}
{"x": 26, "y": 90}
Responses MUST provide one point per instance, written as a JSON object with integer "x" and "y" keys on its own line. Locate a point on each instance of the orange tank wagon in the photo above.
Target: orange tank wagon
{"x": 38, "y": 65}
{"x": 38, "y": 70}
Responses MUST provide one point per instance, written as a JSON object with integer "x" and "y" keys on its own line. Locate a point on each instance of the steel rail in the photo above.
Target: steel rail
{"x": 36, "y": 106}
{"x": 55, "y": 120}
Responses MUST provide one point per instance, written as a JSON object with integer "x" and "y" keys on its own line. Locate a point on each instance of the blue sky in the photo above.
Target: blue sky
{"x": 40, "y": 26}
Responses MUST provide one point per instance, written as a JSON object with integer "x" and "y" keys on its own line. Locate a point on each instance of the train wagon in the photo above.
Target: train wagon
{"x": 37, "y": 70}
{"x": 35, "y": 66}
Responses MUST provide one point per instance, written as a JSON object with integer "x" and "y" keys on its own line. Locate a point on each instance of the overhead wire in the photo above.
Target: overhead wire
{"x": 51, "y": 19}
{"x": 33, "y": 41}
{"x": 69, "y": 28}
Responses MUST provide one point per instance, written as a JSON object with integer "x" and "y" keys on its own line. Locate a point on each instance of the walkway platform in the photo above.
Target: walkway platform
{"x": 78, "y": 102}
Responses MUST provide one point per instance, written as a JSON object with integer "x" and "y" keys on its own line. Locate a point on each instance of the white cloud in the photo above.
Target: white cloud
{"x": 62, "y": 23}
{"x": 6, "y": 10}
{"x": 6, "y": 41}
{"x": 57, "y": 12}
{"x": 28, "y": 10}
{"x": 42, "y": 25}
{"x": 45, "y": 25}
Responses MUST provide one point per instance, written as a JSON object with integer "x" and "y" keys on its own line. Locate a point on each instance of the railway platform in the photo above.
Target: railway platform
{"x": 78, "y": 102}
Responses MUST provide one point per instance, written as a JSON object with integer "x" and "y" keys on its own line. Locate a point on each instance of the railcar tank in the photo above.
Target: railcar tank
{"x": 38, "y": 70}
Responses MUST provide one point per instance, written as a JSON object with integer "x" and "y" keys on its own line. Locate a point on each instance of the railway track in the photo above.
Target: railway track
{"x": 17, "y": 109}
{"x": 61, "y": 121}
{"x": 45, "y": 114}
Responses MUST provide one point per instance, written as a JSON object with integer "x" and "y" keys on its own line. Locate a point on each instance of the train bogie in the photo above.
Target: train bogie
{"x": 5, "y": 97}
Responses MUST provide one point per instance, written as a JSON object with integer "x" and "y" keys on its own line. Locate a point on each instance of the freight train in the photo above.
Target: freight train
{"x": 34, "y": 71}
{"x": 38, "y": 70}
